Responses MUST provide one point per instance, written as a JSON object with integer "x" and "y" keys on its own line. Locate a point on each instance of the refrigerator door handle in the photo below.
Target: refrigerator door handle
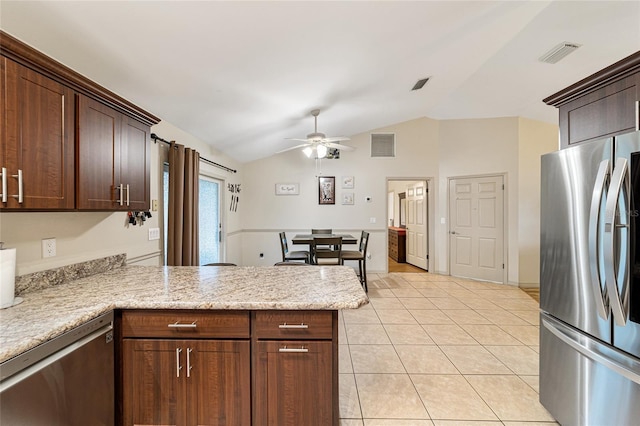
{"x": 599, "y": 293}
{"x": 595, "y": 350}
{"x": 615, "y": 219}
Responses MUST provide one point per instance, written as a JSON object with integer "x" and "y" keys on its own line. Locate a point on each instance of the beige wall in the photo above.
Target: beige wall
{"x": 425, "y": 148}
{"x": 82, "y": 236}
{"x": 536, "y": 138}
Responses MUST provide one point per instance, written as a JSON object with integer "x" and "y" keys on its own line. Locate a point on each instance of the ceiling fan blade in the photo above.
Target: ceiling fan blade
{"x": 296, "y": 139}
{"x": 340, "y": 146}
{"x": 294, "y": 147}
{"x": 336, "y": 139}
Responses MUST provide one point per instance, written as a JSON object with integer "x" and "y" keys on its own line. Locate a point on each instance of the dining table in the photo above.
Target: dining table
{"x": 308, "y": 238}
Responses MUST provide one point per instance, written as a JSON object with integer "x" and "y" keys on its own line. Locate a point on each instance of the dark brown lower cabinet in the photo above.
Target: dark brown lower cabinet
{"x": 235, "y": 368}
{"x": 186, "y": 382}
{"x": 294, "y": 383}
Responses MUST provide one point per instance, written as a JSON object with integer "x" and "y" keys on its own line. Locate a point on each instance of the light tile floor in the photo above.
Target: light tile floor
{"x": 433, "y": 350}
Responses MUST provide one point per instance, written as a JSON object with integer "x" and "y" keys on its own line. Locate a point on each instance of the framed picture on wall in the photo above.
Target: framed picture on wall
{"x": 327, "y": 190}
{"x": 287, "y": 189}
{"x": 347, "y": 198}
{"x": 348, "y": 182}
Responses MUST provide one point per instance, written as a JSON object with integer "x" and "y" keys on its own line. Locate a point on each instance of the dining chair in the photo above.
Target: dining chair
{"x": 292, "y": 256}
{"x": 220, "y": 264}
{"x": 361, "y": 256}
{"x": 324, "y": 231}
{"x": 327, "y": 250}
{"x": 291, "y": 264}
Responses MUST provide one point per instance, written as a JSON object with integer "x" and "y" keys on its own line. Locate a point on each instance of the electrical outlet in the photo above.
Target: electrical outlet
{"x": 154, "y": 234}
{"x": 49, "y": 247}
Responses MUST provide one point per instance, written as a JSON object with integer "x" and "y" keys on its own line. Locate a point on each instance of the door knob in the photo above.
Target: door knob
{"x": 453, "y": 232}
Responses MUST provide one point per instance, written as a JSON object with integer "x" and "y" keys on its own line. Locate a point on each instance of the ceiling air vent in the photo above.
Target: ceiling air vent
{"x": 420, "y": 84}
{"x": 383, "y": 145}
{"x": 558, "y": 52}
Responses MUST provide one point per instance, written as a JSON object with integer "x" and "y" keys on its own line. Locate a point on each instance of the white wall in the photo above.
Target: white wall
{"x": 268, "y": 214}
{"x": 536, "y": 138}
{"x": 82, "y": 236}
{"x": 425, "y": 148}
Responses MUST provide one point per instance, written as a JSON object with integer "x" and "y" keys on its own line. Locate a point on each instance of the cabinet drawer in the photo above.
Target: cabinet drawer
{"x": 185, "y": 324}
{"x": 294, "y": 324}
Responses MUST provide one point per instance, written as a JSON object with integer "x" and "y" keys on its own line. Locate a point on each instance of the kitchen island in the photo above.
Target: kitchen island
{"x": 254, "y": 298}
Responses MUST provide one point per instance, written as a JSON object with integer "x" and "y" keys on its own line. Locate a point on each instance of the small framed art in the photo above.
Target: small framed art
{"x": 326, "y": 190}
{"x": 348, "y": 182}
{"x": 347, "y": 198}
{"x": 287, "y": 188}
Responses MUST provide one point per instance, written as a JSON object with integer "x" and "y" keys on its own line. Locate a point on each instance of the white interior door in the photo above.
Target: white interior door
{"x": 476, "y": 208}
{"x": 417, "y": 241}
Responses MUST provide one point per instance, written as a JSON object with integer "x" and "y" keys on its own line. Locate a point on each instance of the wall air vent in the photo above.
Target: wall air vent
{"x": 558, "y": 52}
{"x": 383, "y": 145}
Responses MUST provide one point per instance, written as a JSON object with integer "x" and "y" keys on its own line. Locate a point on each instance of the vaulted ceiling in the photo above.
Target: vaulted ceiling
{"x": 242, "y": 76}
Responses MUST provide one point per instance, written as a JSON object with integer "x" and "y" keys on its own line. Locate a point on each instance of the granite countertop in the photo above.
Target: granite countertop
{"x": 49, "y": 312}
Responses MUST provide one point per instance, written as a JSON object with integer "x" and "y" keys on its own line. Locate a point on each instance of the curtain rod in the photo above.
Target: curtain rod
{"x": 157, "y": 138}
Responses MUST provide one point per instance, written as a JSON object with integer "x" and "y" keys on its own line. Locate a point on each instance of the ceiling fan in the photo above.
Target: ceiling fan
{"x": 318, "y": 141}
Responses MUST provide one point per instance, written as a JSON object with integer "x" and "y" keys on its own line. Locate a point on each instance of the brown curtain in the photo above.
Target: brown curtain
{"x": 184, "y": 171}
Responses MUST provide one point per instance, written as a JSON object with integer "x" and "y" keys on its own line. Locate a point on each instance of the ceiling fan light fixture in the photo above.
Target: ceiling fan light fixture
{"x": 308, "y": 151}
{"x": 322, "y": 151}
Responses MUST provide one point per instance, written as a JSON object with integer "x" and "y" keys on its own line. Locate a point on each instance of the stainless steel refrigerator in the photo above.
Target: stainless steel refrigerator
{"x": 590, "y": 283}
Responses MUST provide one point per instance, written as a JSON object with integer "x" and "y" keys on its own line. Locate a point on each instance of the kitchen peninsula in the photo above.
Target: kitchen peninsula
{"x": 260, "y": 332}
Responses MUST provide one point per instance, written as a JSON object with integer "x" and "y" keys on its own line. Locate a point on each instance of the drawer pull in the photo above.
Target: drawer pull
{"x": 294, "y": 350}
{"x": 294, "y": 326}
{"x": 178, "y": 325}
{"x": 178, "y": 366}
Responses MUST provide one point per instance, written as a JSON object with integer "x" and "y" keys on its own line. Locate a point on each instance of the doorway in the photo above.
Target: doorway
{"x": 408, "y": 219}
{"x": 476, "y": 228}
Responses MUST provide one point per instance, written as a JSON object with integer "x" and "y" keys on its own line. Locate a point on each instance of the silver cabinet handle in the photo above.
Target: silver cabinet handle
{"x": 19, "y": 176}
{"x": 178, "y": 325}
{"x": 294, "y": 326}
{"x": 637, "y": 116}
{"x": 301, "y": 349}
{"x": 4, "y": 185}
{"x": 599, "y": 293}
{"x": 127, "y": 194}
{"x": 189, "y": 350}
{"x": 619, "y": 184}
{"x": 120, "y": 191}
{"x": 178, "y": 366}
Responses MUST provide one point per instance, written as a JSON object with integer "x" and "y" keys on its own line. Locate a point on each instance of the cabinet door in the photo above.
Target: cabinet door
{"x": 37, "y": 138}
{"x": 186, "y": 382}
{"x": 98, "y": 150}
{"x": 134, "y": 162}
{"x": 153, "y": 390}
{"x": 608, "y": 111}
{"x": 218, "y": 383}
{"x": 293, "y": 383}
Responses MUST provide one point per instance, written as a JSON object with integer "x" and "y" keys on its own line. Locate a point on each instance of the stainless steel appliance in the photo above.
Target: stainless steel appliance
{"x": 590, "y": 283}
{"x": 66, "y": 381}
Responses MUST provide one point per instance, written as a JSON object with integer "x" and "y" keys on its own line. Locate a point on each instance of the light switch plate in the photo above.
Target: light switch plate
{"x": 154, "y": 234}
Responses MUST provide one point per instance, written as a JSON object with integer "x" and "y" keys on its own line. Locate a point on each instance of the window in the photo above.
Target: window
{"x": 210, "y": 219}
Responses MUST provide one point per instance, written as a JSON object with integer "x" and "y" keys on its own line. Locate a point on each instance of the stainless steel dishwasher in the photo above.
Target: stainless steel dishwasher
{"x": 68, "y": 380}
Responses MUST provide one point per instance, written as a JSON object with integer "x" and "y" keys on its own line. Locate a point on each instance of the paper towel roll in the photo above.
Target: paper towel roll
{"x": 7, "y": 277}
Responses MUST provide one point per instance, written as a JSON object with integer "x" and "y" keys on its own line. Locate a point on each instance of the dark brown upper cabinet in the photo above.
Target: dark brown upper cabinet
{"x": 113, "y": 159}
{"x": 38, "y": 132}
{"x": 66, "y": 142}
{"x": 604, "y": 104}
